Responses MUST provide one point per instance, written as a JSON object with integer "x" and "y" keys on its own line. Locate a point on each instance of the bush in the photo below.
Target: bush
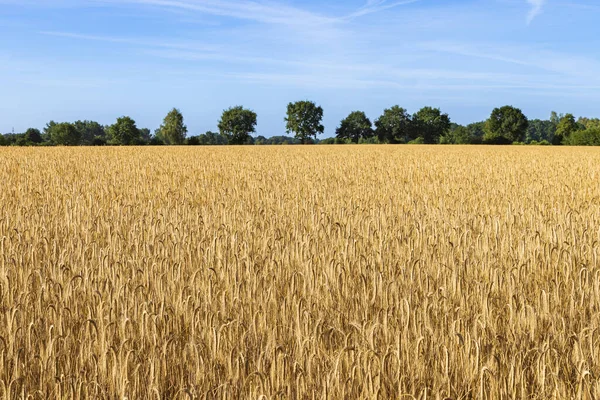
{"x": 371, "y": 140}
{"x": 328, "y": 141}
{"x": 98, "y": 141}
{"x": 418, "y": 140}
{"x": 588, "y": 137}
{"x": 156, "y": 141}
{"x": 193, "y": 141}
{"x": 540, "y": 143}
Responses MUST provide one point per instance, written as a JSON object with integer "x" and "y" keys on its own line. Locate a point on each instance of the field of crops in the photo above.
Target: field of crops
{"x": 293, "y": 272}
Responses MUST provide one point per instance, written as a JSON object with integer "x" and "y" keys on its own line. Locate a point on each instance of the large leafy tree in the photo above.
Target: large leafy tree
{"x": 431, "y": 124}
{"x": 90, "y": 131}
{"x": 65, "y": 134}
{"x": 173, "y": 130}
{"x": 394, "y": 126}
{"x": 33, "y": 136}
{"x": 355, "y": 126}
{"x": 236, "y": 124}
{"x": 124, "y": 132}
{"x": 304, "y": 120}
{"x": 565, "y": 127}
{"x": 506, "y": 125}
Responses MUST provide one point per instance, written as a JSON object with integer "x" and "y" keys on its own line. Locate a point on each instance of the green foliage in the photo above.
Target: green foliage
{"x": 541, "y": 143}
{"x": 540, "y": 130}
{"x": 564, "y": 129}
{"x": 33, "y": 136}
{"x": 124, "y": 132}
{"x": 276, "y": 140}
{"x": 236, "y": 124}
{"x": 90, "y": 131}
{"x": 304, "y": 120}
{"x": 156, "y": 141}
{"x": 588, "y": 123}
{"x": 145, "y": 135}
{"x": 11, "y": 139}
{"x": 394, "y": 126}
{"x": 506, "y": 125}
{"x": 419, "y": 140}
{"x": 213, "y": 139}
{"x": 47, "y": 131}
{"x": 457, "y": 135}
{"x": 355, "y": 127}
{"x": 476, "y": 132}
{"x": 173, "y": 130}
{"x": 193, "y": 141}
{"x": 588, "y": 137}
{"x": 430, "y": 124}
{"x": 65, "y": 134}
{"x": 371, "y": 140}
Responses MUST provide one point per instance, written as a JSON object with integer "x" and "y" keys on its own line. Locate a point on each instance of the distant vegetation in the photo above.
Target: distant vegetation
{"x": 506, "y": 125}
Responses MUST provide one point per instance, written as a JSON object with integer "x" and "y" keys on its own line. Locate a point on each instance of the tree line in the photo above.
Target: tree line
{"x": 506, "y": 125}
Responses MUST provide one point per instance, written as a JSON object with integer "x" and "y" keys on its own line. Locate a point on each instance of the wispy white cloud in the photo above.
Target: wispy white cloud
{"x": 265, "y": 12}
{"x": 536, "y": 9}
{"x": 375, "y": 6}
{"x": 573, "y": 70}
{"x": 146, "y": 42}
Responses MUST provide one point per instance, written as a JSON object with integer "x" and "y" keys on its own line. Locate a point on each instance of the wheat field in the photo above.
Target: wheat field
{"x": 338, "y": 272}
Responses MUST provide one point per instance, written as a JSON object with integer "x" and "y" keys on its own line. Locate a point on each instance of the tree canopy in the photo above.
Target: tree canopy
{"x": 65, "y": 134}
{"x": 236, "y": 124}
{"x": 173, "y": 130}
{"x": 394, "y": 126}
{"x": 565, "y": 127}
{"x": 506, "y": 125}
{"x": 354, "y": 127}
{"x": 430, "y": 124}
{"x": 124, "y": 132}
{"x": 304, "y": 120}
{"x": 91, "y": 132}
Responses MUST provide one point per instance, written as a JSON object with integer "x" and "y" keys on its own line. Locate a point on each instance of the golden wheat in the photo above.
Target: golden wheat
{"x": 355, "y": 272}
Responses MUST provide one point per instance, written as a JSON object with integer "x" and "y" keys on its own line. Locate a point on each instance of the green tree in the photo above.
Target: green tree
{"x": 394, "y": 126}
{"x": 304, "y": 120}
{"x": 193, "y": 141}
{"x": 506, "y": 125}
{"x": 587, "y": 123}
{"x": 145, "y": 135}
{"x": 355, "y": 126}
{"x": 46, "y": 135}
{"x": 566, "y": 126}
{"x": 456, "y": 135}
{"x": 124, "y": 132}
{"x": 65, "y": 134}
{"x": 430, "y": 124}
{"x": 555, "y": 117}
{"x": 540, "y": 130}
{"x": 588, "y": 137}
{"x": 90, "y": 131}
{"x": 173, "y": 130}
{"x": 236, "y": 124}
{"x": 33, "y": 136}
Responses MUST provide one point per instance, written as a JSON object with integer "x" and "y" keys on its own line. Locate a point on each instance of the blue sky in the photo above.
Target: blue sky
{"x": 100, "y": 59}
